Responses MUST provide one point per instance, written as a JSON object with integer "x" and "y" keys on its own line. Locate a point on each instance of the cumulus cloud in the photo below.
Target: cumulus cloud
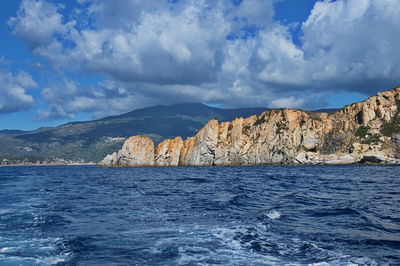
{"x": 347, "y": 45}
{"x": 124, "y": 14}
{"x": 67, "y": 99}
{"x": 227, "y": 52}
{"x": 290, "y": 102}
{"x": 37, "y": 22}
{"x": 163, "y": 48}
{"x": 352, "y": 44}
{"x": 13, "y": 91}
{"x": 256, "y": 12}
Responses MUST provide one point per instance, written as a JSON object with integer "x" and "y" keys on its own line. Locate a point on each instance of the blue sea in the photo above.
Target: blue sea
{"x": 249, "y": 215}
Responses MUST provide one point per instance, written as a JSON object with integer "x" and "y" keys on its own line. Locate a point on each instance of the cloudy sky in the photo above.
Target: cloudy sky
{"x": 83, "y": 59}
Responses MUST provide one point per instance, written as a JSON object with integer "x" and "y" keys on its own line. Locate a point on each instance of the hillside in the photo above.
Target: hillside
{"x": 367, "y": 131}
{"x": 92, "y": 140}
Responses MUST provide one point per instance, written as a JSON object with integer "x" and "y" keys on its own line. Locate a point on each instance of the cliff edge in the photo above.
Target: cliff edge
{"x": 367, "y": 131}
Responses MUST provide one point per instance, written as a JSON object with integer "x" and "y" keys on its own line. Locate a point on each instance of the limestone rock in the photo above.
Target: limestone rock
{"x": 396, "y": 138}
{"x": 343, "y": 159}
{"x": 279, "y": 136}
{"x": 301, "y": 158}
{"x": 136, "y": 151}
{"x": 377, "y": 157}
{"x": 373, "y": 159}
{"x": 200, "y": 150}
{"x": 168, "y": 152}
{"x": 109, "y": 160}
{"x": 310, "y": 142}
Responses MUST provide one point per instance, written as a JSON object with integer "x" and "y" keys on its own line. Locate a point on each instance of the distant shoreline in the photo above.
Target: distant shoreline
{"x": 153, "y": 166}
{"x": 46, "y": 164}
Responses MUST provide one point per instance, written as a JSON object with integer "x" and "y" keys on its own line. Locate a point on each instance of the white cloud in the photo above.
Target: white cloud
{"x": 66, "y": 99}
{"x": 352, "y": 44}
{"x": 123, "y": 14}
{"x": 37, "y": 22}
{"x": 13, "y": 95}
{"x": 290, "y": 102}
{"x": 155, "y": 51}
{"x": 276, "y": 60}
{"x": 257, "y": 12}
{"x": 163, "y": 48}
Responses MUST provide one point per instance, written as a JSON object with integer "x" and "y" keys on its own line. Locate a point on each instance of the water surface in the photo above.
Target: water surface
{"x": 258, "y": 215}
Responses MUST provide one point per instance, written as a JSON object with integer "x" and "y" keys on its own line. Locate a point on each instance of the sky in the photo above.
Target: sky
{"x": 74, "y": 60}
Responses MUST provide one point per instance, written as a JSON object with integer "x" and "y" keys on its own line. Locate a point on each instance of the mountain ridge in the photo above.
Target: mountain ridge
{"x": 92, "y": 140}
{"x": 367, "y": 131}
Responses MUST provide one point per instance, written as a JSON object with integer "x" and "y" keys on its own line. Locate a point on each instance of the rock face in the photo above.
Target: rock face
{"x": 168, "y": 151}
{"x": 367, "y": 131}
{"x": 136, "y": 151}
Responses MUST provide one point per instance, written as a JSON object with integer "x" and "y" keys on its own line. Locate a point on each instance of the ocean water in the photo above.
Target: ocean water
{"x": 258, "y": 215}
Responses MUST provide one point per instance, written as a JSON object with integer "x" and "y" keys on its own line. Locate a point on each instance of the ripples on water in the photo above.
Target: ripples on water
{"x": 261, "y": 215}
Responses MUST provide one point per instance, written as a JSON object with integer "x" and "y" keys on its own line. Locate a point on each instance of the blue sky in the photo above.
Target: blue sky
{"x": 74, "y": 60}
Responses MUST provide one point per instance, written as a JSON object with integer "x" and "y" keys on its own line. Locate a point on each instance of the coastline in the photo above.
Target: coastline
{"x": 46, "y": 164}
{"x": 249, "y": 165}
{"x": 364, "y": 132}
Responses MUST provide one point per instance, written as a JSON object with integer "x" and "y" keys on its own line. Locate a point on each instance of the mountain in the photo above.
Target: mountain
{"x": 92, "y": 140}
{"x": 11, "y": 132}
{"x": 367, "y": 131}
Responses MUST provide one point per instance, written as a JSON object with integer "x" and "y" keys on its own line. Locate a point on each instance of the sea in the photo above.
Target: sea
{"x": 245, "y": 215}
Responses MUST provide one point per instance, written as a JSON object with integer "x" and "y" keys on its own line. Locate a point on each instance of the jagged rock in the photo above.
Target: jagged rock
{"x": 396, "y": 138}
{"x": 343, "y": 159}
{"x": 310, "y": 142}
{"x": 200, "y": 150}
{"x": 301, "y": 158}
{"x": 275, "y": 136}
{"x": 372, "y": 159}
{"x": 168, "y": 152}
{"x": 378, "y": 157}
{"x": 358, "y": 148}
{"x": 109, "y": 160}
{"x": 136, "y": 151}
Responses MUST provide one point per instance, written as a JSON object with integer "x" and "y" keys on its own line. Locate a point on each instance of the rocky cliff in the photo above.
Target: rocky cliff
{"x": 367, "y": 131}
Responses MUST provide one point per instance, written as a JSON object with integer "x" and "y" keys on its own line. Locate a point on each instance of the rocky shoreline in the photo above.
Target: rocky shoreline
{"x": 364, "y": 132}
{"x": 48, "y": 162}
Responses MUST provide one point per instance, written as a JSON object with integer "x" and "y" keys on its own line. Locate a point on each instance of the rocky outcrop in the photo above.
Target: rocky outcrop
{"x": 168, "y": 152}
{"x": 136, "y": 151}
{"x": 367, "y": 132}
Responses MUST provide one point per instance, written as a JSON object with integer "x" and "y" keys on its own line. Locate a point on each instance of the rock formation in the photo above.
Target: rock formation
{"x": 136, "y": 151}
{"x": 367, "y": 131}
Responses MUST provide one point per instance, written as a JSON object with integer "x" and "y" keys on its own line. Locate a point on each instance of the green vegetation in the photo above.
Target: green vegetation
{"x": 362, "y": 132}
{"x": 314, "y": 116}
{"x": 333, "y": 142}
{"x": 31, "y": 158}
{"x": 373, "y": 139}
{"x": 92, "y": 140}
{"x": 281, "y": 127}
{"x": 27, "y": 159}
{"x": 389, "y": 129}
{"x": 260, "y": 121}
{"x": 393, "y": 126}
{"x": 246, "y": 129}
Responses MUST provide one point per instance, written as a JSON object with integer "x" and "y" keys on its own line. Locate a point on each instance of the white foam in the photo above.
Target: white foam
{"x": 345, "y": 260}
{"x": 2, "y": 250}
{"x": 273, "y": 215}
{"x": 225, "y": 197}
{"x": 233, "y": 252}
{"x": 35, "y": 251}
